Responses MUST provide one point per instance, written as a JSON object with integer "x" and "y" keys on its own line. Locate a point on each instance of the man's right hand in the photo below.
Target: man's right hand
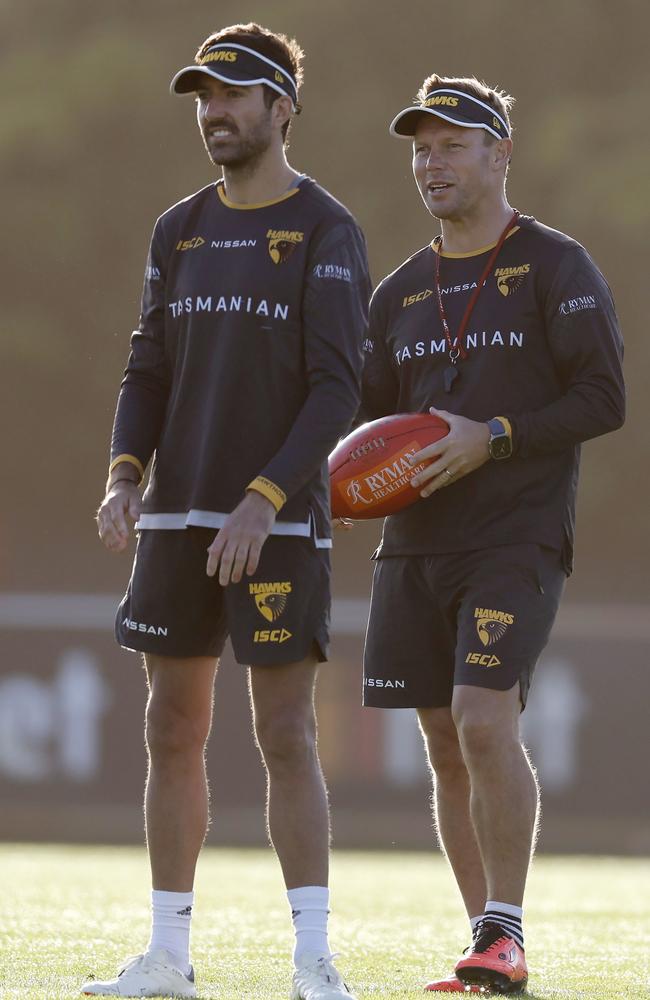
{"x": 122, "y": 498}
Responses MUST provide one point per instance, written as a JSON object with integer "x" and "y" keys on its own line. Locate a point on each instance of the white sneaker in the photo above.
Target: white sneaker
{"x": 150, "y": 975}
{"x": 317, "y": 979}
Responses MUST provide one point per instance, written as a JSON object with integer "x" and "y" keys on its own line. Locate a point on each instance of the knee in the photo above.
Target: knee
{"x": 479, "y": 736}
{"x": 171, "y": 733}
{"x": 443, "y": 749}
{"x": 487, "y": 722}
{"x": 286, "y": 740}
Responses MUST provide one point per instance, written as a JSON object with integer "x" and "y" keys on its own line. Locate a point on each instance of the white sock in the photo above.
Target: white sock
{"x": 170, "y": 929}
{"x": 507, "y": 916}
{"x": 474, "y": 920}
{"x": 309, "y": 912}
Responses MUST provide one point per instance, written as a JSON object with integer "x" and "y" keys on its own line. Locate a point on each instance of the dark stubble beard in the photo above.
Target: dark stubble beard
{"x": 244, "y": 155}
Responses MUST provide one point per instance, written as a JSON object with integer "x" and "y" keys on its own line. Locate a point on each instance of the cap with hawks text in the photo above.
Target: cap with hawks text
{"x": 453, "y": 106}
{"x": 233, "y": 63}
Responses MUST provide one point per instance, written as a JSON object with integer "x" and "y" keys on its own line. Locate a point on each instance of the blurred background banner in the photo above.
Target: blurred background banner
{"x": 71, "y": 749}
{"x": 93, "y": 150}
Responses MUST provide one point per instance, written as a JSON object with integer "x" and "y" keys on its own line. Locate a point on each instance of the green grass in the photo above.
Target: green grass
{"x": 67, "y": 911}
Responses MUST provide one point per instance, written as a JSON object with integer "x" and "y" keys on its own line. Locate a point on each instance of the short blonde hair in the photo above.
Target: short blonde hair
{"x": 497, "y": 99}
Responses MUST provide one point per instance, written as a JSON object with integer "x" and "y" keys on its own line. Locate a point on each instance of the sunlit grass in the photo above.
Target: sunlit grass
{"x": 396, "y": 920}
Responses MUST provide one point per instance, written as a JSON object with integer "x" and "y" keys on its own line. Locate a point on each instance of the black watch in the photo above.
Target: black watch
{"x": 500, "y": 443}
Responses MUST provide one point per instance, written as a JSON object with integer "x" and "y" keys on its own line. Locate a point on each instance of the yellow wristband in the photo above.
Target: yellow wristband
{"x": 506, "y": 423}
{"x": 127, "y": 458}
{"x": 269, "y": 490}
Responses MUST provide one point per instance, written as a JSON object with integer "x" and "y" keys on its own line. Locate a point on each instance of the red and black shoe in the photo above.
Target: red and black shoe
{"x": 495, "y": 961}
{"x": 451, "y": 985}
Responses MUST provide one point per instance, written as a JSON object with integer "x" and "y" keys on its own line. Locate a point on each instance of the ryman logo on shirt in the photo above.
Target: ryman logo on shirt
{"x": 579, "y": 304}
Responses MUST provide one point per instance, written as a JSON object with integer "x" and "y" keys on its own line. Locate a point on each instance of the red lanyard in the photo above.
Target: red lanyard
{"x": 455, "y": 345}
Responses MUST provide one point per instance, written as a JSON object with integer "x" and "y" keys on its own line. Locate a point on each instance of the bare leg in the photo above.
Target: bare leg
{"x": 282, "y": 700}
{"x": 451, "y": 798}
{"x": 504, "y": 793}
{"x": 179, "y": 715}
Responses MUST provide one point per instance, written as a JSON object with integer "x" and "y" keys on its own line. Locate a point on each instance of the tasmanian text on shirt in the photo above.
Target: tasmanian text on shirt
{"x": 228, "y": 303}
{"x": 471, "y": 340}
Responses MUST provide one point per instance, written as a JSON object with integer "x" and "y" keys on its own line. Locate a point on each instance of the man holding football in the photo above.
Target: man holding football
{"x": 243, "y": 374}
{"x": 507, "y": 330}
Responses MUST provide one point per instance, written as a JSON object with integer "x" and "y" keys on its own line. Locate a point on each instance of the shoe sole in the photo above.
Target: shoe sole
{"x": 497, "y": 982}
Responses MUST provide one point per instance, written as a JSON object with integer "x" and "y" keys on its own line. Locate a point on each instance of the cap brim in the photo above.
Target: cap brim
{"x": 189, "y": 78}
{"x": 405, "y": 124}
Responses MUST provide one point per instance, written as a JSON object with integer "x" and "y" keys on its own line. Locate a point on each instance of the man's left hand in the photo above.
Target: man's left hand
{"x": 464, "y": 449}
{"x": 238, "y": 544}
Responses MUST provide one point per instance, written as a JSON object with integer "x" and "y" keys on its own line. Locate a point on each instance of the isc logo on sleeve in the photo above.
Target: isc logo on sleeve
{"x": 196, "y": 241}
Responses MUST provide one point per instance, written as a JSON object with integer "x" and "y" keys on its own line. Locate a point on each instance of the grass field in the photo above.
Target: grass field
{"x": 69, "y": 911}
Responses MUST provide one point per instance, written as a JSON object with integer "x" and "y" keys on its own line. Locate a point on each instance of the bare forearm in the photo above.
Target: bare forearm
{"x": 124, "y": 471}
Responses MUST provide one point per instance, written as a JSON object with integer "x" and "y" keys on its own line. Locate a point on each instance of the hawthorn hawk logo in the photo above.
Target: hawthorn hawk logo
{"x": 492, "y": 625}
{"x": 270, "y": 598}
{"x": 282, "y": 243}
{"x": 509, "y": 279}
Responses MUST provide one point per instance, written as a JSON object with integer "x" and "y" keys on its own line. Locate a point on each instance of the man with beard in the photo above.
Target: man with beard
{"x": 243, "y": 374}
{"x": 508, "y": 328}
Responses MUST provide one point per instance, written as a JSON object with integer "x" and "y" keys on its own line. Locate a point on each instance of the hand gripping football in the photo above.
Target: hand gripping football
{"x": 369, "y": 470}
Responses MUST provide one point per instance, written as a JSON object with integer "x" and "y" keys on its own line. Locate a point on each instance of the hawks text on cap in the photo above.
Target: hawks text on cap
{"x": 455, "y": 107}
{"x": 239, "y": 65}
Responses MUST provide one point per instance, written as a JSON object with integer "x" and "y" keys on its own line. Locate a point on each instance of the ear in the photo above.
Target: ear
{"x": 281, "y": 110}
{"x": 501, "y": 154}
